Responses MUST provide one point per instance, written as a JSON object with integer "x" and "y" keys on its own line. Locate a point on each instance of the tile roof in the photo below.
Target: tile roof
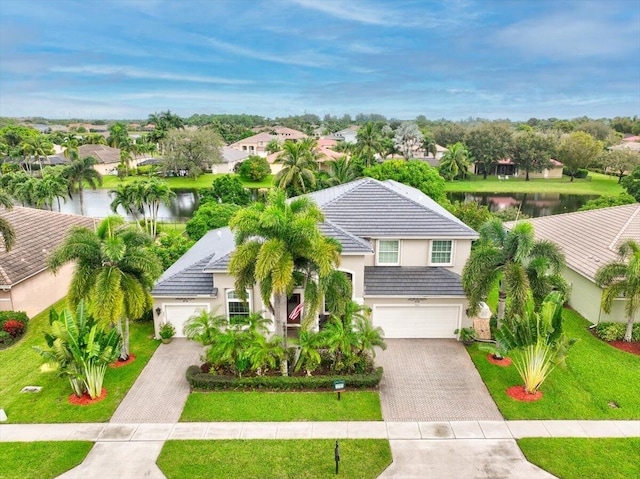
{"x": 266, "y": 137}
{"x": 370, "y": 208}
{"x": 350, "y": 243}
{"x": 38, "y": 232}
{"x": 589, "y": 239}
{"x": 411, "y": 281}
{"x": 191, "y": 281}
{"x": 103, "y": 153}
{"x": 230, "y": 155}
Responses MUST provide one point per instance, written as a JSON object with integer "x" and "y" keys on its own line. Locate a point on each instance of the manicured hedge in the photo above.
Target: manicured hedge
{"x": 199, "y": 380}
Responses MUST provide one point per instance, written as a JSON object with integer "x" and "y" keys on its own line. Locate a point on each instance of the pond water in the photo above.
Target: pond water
{"x": 96, "y": 204}
{"x": 181, "y": 208}
{"x": 532, "y": 204}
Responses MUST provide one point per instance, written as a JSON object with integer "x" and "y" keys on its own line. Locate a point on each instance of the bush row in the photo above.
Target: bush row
{"x": 615, "y": 331}
{"x": 199, "y": 380}
{"x": 580, "y": 173}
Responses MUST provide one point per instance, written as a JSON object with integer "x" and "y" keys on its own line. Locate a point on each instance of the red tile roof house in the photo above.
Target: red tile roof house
{"x": 403, "y": 252}
{"x": 590, "y": 239}
{"x": 25, "y": 282}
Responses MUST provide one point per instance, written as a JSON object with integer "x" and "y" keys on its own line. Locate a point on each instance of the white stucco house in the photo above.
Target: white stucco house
{"x": 402, "y": 251}
{"x": 589, "y": 240}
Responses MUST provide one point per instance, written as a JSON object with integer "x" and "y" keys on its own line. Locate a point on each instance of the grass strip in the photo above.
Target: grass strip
{"x": 42, "y": 460}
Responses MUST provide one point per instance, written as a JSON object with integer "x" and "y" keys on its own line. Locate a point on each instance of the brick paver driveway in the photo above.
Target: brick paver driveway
{"x": 432, "y": 380}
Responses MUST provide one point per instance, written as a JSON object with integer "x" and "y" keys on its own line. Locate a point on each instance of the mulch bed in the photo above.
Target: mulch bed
{"x": 85, "y": 399}
{"x": 119, "y": 363}
{"x": 519, "y": 394}
{"x": 633, "y": 347}
{"x": 504, "y": 362}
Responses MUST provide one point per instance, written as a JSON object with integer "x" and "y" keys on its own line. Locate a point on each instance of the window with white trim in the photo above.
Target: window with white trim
{"x": 441, "y": 252}
{"x": 388, "y": 252}
{"x": 238, "y": 310}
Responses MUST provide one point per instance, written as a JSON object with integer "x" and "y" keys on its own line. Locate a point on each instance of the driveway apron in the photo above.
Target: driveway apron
{"x": 161, "y": 390}
{"x": 432, "y": 380}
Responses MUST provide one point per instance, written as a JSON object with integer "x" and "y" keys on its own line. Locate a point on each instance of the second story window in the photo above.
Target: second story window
{"x": 388, "y": 252}
{"x": 441, "y": 252}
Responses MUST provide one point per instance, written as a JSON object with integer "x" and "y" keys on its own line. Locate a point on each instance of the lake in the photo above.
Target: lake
{"x": 181, "y": 208}
{"x": 532, "y": 204}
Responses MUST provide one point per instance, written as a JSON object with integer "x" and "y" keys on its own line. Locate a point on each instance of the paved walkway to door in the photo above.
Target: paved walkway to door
{"x": 432, "y": 380}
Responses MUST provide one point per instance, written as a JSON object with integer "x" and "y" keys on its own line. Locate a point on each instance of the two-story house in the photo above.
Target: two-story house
{"x": 402, "y": 251}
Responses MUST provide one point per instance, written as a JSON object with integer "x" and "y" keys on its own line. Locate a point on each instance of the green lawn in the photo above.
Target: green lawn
{"x": 42, "y": 460}
{"x": 20, "y": 367}
{"x": 277, "y": 459}
{"x": 596, "y": 375}
{"x": 598, "y": 185}
{"x": 579, "y": 458}
{"x": 203, "y": 181}
{"x": 282, "y": 406}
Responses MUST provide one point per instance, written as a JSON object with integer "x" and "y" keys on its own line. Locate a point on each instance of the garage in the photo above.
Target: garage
{"x": 417, "y": 321}
{"x": 178, "y": 314}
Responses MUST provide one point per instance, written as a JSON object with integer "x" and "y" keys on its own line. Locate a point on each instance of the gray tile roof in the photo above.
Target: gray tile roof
{"x": 370, "y": 208}
{"x": 38, "y": 232}
{"x": 231, "y": 155}
{"x": 191, "y": 281}
{"x": 411, "y": 281}
{"x": 349, "y": 242}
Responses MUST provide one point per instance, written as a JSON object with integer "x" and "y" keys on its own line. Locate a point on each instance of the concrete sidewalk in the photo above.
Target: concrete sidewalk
{"x": 451, "y": 430}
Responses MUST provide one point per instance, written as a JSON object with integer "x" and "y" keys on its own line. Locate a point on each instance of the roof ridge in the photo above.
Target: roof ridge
{"x": 624, "y": 227}
{"x": 357, "y": 184}
{"x": 348, "y": 233}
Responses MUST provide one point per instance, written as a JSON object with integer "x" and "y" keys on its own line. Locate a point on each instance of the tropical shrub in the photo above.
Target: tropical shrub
{"x": 254, "y": 168}
{"x": 79, "y": 349}
{"x": 208, "y": 217}
{"x": 608, "y": 331}
{"x": 226, "y": 189}
{"x": 14, "y": 328}
{"x": 13, "y": 315}
{"x": 414, "y": 173}
{"x": 5, "y": 338}
{"x": 170, "y": 246}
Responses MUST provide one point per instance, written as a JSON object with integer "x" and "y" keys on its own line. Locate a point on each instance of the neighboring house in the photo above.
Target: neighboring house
{"x": 402, "y": 251}
{"x": 635, "y": 138}
{"x": 419, "y": 154}
{"x": 25, "y": 282}
{"x": 288, "y": 134}
{"x": 507, "y": 168}
{"x": 230, "y": 158}
{"x": 628, "y": 146}
{"x": 589, "y": 240}
{"x": 108, "y": 158}
{"x": 254, "y": 145}
{"x": 348, "y": 135}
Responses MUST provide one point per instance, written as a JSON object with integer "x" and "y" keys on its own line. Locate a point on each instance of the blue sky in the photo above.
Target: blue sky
{"x": 403, "y": 58}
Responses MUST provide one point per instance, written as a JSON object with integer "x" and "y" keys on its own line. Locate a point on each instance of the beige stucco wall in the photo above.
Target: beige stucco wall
{"x": 585, "y": 299}
{"x": 354, "y": 264}
{"x": 416, "y": 252}
{"x": 37, "y": 293}
{"x": 218, "y": 168}
{"x": 392, "y": 301}
{"x": 555, "y": 172}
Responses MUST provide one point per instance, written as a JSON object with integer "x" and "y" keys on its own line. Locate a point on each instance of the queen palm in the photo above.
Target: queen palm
{"x": 455, "y": 162}
{"x": 6, "y": 230}
{"x": 114, "y": 272}
{"x": 517, "y": 261}
{"x": 274, "y": 241}
{"x": 79, "y": 172}
{"x": 299, "y": 165}
{"x": 621, "y": 279}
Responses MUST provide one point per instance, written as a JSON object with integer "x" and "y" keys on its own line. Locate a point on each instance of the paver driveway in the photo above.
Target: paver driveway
{"x": 432, "y": 380}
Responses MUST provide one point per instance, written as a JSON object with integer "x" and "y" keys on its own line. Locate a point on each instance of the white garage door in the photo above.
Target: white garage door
{"x": 417, "y": 321}
{"x": 178, "y": 314}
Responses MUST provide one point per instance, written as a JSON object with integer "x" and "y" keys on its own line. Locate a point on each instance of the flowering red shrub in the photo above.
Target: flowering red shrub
{"x": 14, "y": 328}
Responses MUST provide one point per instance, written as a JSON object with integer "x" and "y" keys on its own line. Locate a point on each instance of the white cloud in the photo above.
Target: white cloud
{"x": 109, "y": 70}
{"x": 353, "y": 11}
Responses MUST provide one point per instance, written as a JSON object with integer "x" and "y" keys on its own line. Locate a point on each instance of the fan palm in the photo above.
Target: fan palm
{"x": 621, "y": 279}
{"x": 507, "y": 257}
{"x": 114, "y": 272}
{"x": 79, "y": 172}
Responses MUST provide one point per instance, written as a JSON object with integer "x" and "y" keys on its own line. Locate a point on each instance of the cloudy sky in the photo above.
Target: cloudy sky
{"x": 400, "y": 58}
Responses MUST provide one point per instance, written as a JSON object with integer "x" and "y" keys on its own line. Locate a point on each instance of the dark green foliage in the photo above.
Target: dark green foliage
{"x": 13, "y": 315}
{"x": 210, "y": 216}
{"x": 414, "y": 173}
{"x": 254, "y": 168}
{"x": 470, "y": 213}
{"x": 608, "y": 331}
{"x": 226, "y": 189}
{"x": 510, "y": 213}
{"x": 580, "y": 172}
{"x": 632, "y": 183}
{"x": 170, "y": 246}
{"x": 200, "y": 380}
{"x": 608, "y": 202}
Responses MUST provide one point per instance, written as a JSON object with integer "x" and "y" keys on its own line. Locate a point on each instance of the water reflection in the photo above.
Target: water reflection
{"x": 533, "y": 204}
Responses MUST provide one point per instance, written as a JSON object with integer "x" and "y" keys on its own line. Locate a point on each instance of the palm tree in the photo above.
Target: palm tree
{"x": 205, "y": 326}
{"x": 308, "y": 343}
{"x": 6, "y": 230}
{"x": 621, "y": 278}
{"x": 455, "y": 162}
{"x": 429, "y": 146}
{"x": 81, "y": 171}
{"x": 50, "y": 188}
{"x": 274, "y": 240}
{"x": 341, "y": 171}
{"x": 155, "y": 192}
{"x": 114, "y": 272}
{"x": 369, "y": 142}
{"x": 507, "y": 257}
{"x": 299, "y": 167}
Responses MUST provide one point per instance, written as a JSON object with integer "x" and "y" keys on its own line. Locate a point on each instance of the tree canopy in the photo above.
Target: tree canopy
{"x": 414, "y": 173}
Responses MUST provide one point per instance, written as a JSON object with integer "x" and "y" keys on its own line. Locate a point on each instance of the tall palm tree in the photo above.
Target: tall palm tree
{"x": 455, "y": 162}
{"x": 621, "y": 279}
{"x": 155, "y": 191}
{"x": 429, "y": 146}
{"x": 507, "y": 257}
{"x": 52, "y": 187}
{"x": 369, "y": 142}
{"x": 81, "y": 171}
{"x": 6, "y": 230}
{"x": 299, "y": 165}
{"x": 114, "y": 272}
{"x": 341, "y": 171}
{"x": 274, "y": 240}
